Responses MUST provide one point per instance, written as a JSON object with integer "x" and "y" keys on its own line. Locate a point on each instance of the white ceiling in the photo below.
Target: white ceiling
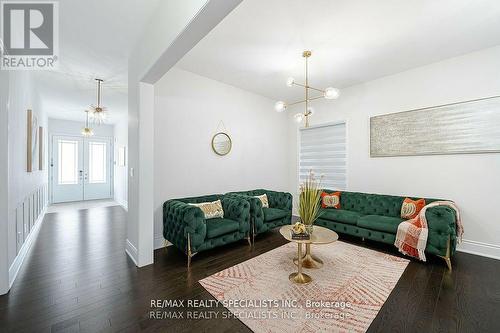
{"x": 260, "y": 43}
{"x": 95, "y": 38}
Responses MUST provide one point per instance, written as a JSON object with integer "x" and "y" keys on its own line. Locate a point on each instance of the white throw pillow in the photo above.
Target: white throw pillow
{"x": 211, "y": 210}
{"x": 263, "y": 199}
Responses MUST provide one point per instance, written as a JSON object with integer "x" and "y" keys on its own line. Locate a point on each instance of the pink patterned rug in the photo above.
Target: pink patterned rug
{"x": 345, "y": 295}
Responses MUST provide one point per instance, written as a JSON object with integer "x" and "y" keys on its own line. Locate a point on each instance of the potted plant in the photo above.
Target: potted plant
{"x": 309, "y": 201}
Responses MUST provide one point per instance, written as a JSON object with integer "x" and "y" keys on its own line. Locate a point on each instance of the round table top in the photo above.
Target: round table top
{"x": 320, "y": 235}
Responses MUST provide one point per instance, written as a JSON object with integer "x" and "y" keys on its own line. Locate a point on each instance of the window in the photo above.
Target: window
{"x": 323, "y": 150}
{"x": 68, "y": 162}
{"x": 97, "y": 162}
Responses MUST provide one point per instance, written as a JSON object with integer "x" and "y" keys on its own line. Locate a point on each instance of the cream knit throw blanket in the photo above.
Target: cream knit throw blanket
{"x": 411, "y": 238}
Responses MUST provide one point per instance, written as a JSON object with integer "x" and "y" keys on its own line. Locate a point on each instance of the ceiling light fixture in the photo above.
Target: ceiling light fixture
{"x": 328, "y": 93}
{"x": 87, "y": 131}
{"x": 98, "y": 111}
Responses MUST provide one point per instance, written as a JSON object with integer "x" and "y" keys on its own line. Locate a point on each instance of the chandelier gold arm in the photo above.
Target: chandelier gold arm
{"x": 303, "y": 101}
{"x": 308, "y": 87}
{"x": 317, "y": 97}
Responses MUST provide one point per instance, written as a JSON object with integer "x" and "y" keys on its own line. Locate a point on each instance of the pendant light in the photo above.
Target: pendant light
{"x": 98, "y": 111}
{"x": 327, "y": 93}
{"x": 87, "y": 131}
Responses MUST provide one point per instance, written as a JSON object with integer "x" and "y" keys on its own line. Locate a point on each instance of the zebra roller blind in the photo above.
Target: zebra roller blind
{"x": 323, "y": 150}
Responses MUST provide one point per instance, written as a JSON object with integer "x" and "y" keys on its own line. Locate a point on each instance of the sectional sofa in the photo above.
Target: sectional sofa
{"x": 376, "y": 217}
{"x": 368, "y": 216}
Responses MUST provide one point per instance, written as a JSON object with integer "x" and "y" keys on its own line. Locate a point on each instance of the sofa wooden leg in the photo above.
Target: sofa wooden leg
{"x": 447, "y": 257}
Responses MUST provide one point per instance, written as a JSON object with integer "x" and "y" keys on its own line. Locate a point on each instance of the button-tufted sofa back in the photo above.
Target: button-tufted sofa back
{"x": 373, "y": 204}
{"x": 281, "y": 200}
{"x": 203, "y": 198}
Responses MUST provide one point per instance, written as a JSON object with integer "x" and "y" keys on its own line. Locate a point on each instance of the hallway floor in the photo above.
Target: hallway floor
{"x": 77, "y": 278}
{"x": 78, "y": 205}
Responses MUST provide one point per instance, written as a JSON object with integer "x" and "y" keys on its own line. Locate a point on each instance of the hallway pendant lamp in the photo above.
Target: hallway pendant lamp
{"x": 87, "y": 131}
{"x": 327, "y": 93}
{"x": 98, "y": 111}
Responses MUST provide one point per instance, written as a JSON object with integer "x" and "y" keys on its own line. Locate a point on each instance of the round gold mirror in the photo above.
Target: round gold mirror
{"x": 221, "y": 143}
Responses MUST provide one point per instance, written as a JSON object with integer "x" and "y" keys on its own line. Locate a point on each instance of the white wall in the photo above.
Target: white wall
{"x": 174, "y": 29}
{"x": 4, "y": 183}
{"x": 23, "y": 96}
{"x": 167, "y": 23}
{"x": 121, "y": 181}
{"x": 471, "y": 180}
{"x": 188, "y": 109}
{"x": 24, "y": 205}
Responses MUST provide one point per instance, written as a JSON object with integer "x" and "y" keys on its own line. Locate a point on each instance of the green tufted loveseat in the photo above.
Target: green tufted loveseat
{"x": 279, "y": 212}
{"x": 376, "y": 217}
{"x": 186, "y": 228}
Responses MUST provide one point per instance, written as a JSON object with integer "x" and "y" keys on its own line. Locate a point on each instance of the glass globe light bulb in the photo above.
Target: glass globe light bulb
{"x": 310, "y": 110}
{"x": 290, "y": 81}
{"x": 280, "y": 106}
{"x": 331, "y": 93}
{"x": 298, "y": 117}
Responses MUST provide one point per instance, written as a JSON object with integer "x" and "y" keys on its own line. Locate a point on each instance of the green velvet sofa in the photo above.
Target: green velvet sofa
{"x": 187, "y": 229}
{"x": 263, "y": 219}
{"x": 376, "y": 217}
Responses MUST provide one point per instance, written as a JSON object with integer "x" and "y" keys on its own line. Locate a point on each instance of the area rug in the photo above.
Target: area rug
{"x": 345, "y": 295}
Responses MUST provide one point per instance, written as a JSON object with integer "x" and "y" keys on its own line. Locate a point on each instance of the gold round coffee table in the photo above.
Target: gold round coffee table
{"x": 320, "y": 235}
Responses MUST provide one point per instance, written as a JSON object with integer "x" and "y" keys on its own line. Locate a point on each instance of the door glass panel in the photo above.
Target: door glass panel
{"x": 97, "y": 162}
{"x": 68, "y": 162}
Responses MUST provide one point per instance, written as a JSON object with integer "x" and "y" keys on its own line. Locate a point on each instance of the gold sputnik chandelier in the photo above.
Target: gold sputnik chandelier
{"x": 327, "y": 93}
{"x": 98, "y": 111}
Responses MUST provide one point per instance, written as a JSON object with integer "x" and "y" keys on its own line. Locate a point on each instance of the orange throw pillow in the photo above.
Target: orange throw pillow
{"x": 410, "y": 208}
{"x": 330, "y": 200}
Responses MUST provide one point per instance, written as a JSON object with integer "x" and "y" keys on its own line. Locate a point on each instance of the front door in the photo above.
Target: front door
{"x": 97, "y": 170}
{"x": 67, "y": 168}
{"x": 81, "y": 168}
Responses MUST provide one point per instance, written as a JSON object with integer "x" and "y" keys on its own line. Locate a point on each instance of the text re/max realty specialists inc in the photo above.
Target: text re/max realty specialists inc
{"x": 246, "y": 303}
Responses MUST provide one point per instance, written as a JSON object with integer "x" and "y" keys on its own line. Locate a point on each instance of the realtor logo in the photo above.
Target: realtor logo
{"x": 29, "y": 35}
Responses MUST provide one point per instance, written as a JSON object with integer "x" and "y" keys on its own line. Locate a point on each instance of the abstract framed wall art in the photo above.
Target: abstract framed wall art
{"x": 41, "y": 149}
{"x": 32, "y": 142}
{"x": 458, "y": 128}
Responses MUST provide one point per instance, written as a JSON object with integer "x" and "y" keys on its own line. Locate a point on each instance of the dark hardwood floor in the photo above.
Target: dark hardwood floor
{"x": 77, "y": 278}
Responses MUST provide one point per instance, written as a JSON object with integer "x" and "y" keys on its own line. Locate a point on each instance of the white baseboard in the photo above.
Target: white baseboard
{"x": 159, "y": 242}
{"x": 122, "y": 203}
{"x": 131, "y": 250}
{"x": 480, "y": 249}
{"x": 23, "y": 253}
